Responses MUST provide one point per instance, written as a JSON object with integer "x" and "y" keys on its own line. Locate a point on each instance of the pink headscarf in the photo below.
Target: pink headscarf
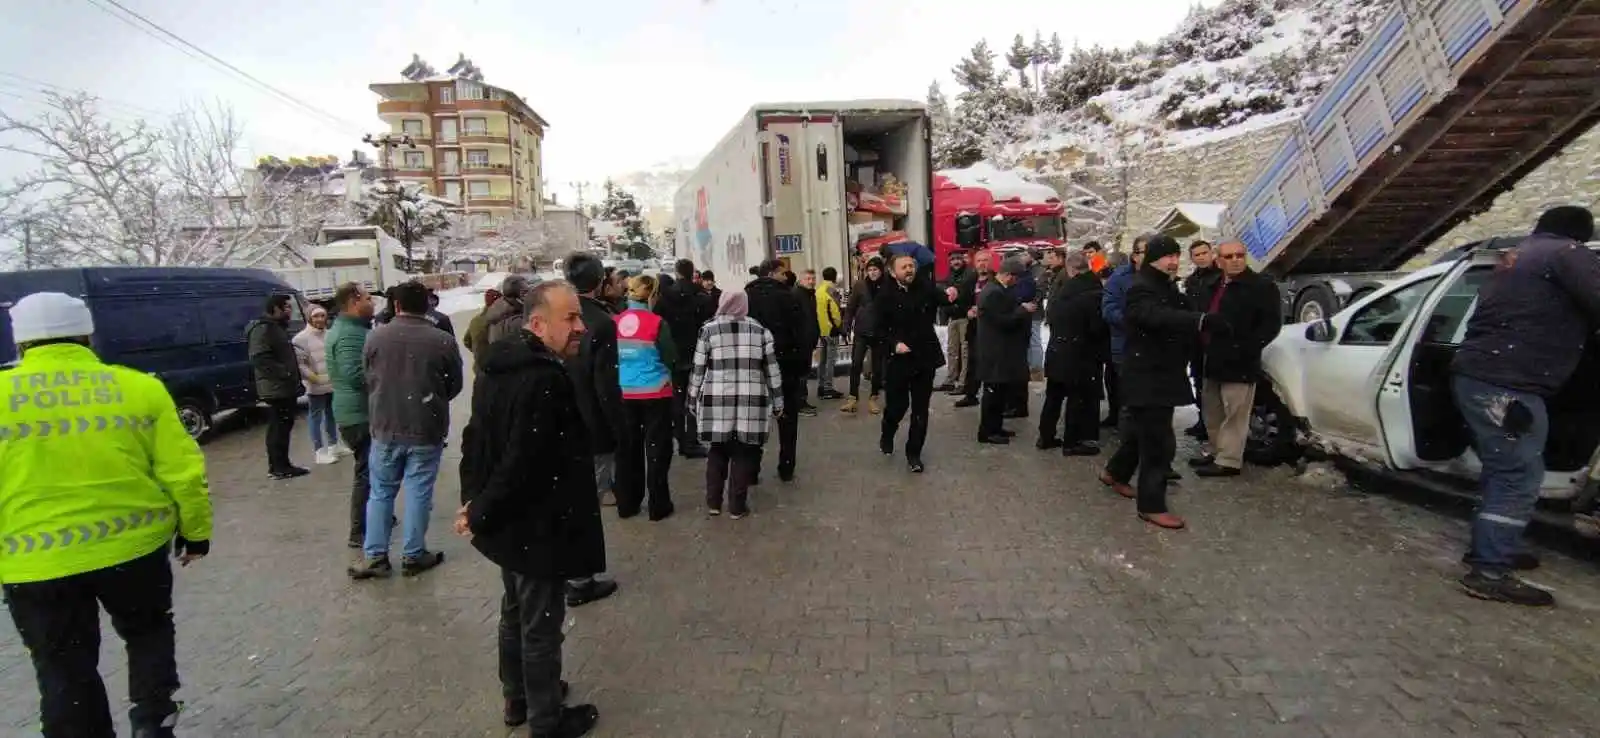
{"x": 734, "y": 304}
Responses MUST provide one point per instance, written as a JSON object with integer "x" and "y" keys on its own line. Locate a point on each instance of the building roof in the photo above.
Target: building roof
{"x": 399, "y": 90}
{"x": 1188, "y": 218}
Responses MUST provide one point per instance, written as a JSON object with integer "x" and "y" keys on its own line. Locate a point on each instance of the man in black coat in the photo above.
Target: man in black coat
{"x": 685, "y": 307}
{"x": 967, "y": 291}
{"x": 1080, "y": 344}
{"x": 277, "y": 381}
{"x": 1160, "y": 329}
{"x": 1248, "y": 303}
{"x": 777, "y": 308}
{"x": 1197, "y": 287}
{"x": 805, "y": 288}
{"x": 1003, "y": 332}
{"x": 593, "y": 370}
{"x": 529, "y": 503}
{"x": 955, "y": 313}
{"x": 906, "y": 311}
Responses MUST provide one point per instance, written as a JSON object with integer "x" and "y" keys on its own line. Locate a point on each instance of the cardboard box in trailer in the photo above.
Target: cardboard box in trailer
{"x": 804, "y": 182}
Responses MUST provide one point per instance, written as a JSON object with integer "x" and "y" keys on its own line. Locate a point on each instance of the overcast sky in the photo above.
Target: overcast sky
{"x": 625, "y": 84}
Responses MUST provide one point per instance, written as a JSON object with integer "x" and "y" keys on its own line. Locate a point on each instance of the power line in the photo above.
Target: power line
{"x": 40, "y": 85}
{"x": 160, "y": 33}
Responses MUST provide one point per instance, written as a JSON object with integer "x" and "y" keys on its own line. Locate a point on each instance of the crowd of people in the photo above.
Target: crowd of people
{"x": 586, "y": 388}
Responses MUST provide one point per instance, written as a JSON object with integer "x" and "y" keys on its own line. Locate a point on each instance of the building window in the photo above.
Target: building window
{"x": 416, "y": 160}
{"x": 475, "y": 126}
{"x": 477, "y": 157}
{"x": 469, "y": 90}
{"x": 447, "y": 95}
{"x": 478, "y": 188}
{"x": 411, "y": 127}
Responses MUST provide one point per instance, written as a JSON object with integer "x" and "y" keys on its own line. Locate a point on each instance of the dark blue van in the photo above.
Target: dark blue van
{"x": 185, "y": 325}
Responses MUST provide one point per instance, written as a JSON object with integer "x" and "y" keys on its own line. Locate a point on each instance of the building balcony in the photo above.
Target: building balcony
{"x": 486, "y": 137}
{"x": 399, "y": 107}
{"x": 405, "y": 171}
{"x": 496, "y": 200}
{"x": 449, "y": 170}
{"x": 472, "y": 169}
{"x": 493, "y": 106}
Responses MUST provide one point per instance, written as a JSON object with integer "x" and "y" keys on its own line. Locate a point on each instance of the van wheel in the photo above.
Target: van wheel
{"x": 1272, "y": 430}
{"x": 1316, "y": 302}
{"x": 195, "y": 414}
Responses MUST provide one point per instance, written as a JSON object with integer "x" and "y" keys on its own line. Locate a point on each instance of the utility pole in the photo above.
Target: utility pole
{"x": 580, "y": 187}
{"x": 386, "y": 144}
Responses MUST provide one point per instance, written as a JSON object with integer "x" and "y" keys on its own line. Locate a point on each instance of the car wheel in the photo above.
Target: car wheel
{"x": 1315, "y": 303}
{"x": 195, "y": 414}
{"x": 1272, "y": 440}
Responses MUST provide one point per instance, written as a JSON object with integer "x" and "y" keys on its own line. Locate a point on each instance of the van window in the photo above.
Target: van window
{"x": 1379, "y": 321}
{"x": 131, "y": 326}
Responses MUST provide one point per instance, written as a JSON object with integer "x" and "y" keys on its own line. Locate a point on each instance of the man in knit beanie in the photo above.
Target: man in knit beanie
{"x": 1533, "y": 320}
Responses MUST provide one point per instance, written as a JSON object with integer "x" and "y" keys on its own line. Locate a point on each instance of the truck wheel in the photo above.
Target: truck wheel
{"x": 1315, "y": 303}
{"x": 1272, "y": 440}
{"x": 195, "y": 414}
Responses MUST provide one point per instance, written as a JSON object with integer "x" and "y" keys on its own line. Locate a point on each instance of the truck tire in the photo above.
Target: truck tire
{"x": 1273, "y": 439}
{"x": 1315, "y": 303}
{"x": 195, "y": 414}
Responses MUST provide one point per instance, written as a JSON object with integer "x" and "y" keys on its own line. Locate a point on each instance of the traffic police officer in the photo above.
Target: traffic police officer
{"x": 97, "y": 478}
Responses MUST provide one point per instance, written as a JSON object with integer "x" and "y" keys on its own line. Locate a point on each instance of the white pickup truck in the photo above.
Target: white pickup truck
{"x": 1370, "y": 385}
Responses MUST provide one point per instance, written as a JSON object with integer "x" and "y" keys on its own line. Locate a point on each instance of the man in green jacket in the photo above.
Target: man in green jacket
{"x": 99, "y": 478}
{"x": 346, "y": 344}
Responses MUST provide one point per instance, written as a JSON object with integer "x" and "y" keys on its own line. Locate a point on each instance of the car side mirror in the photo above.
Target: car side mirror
{"x": 1320, "y": 331}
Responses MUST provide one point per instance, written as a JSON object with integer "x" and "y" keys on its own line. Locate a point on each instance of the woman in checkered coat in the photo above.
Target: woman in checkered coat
{"x": 734, "y": 391}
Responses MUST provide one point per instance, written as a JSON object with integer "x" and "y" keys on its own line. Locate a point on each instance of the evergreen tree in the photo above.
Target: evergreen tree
{"x": 976, "y": 72}
{"x": 619, "y": 208}
{"x": 940, "y": 117}
{"x": 1019, "y": 57}
{"x": 1038, "y": 56}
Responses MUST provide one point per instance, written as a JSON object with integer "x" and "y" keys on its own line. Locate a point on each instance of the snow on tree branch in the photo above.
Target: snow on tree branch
{"x": 107, "y": 192}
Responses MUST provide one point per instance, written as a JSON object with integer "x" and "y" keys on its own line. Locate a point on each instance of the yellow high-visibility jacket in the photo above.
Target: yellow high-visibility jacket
{"x": 95, "y": 467}
{"x": 828, "y": 316}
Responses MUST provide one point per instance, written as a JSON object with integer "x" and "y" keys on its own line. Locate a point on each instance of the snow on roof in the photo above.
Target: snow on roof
{"x": 1004, "y": 184}
{"x": 1188, "y": 218}
{"x": 823, "y": 105}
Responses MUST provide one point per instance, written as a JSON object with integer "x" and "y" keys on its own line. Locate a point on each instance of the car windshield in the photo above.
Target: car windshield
{"x": 1013, "y": 228}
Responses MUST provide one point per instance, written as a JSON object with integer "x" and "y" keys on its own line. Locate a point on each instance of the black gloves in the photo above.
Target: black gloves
{"x": 181, "y": 546}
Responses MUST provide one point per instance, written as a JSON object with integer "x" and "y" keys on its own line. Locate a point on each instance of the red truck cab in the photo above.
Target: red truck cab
{"x": 1004, "y": 215}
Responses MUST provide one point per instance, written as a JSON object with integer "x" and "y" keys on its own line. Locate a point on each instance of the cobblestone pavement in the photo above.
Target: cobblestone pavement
{"x": 1003, "y": 594}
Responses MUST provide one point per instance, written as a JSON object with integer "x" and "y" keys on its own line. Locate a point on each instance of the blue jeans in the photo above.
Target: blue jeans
{"x": 391, "y": 466}
{"x": 319, "y": 415}
{"x": 1036, "y": 345}
{"x": 1513, "y": 468}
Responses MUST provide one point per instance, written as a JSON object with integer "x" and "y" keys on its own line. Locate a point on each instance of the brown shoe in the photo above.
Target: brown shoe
{"x": 1116, "y": 486}
{"x": 872, "y": 405}
{"x": 849, "y": 405}
{"x": 1163, "y": 520}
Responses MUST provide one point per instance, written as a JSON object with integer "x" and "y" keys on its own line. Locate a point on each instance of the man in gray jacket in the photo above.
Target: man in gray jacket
{"x": 413, "y": 371}
{"x": 277, "y": 378}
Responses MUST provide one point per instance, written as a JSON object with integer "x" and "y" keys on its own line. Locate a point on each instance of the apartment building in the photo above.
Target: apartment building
{"x": 476, "y": 145}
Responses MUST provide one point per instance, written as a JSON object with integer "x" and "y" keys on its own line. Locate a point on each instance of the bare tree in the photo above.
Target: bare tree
{"x": 109, "y": 192}
{"x": 235, "y": 215}
{"x": 522, "y": 242}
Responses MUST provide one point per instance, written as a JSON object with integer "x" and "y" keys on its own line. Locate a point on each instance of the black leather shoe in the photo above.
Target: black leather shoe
{"x": 596, "y": 589}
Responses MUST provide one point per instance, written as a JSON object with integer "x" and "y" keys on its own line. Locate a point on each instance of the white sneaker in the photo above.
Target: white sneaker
{"x": 325, "y": 455}
{"x": 339, "y": 449}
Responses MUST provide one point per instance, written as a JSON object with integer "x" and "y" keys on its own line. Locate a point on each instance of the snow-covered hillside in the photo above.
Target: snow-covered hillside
{"x": 1226, "y": 70}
